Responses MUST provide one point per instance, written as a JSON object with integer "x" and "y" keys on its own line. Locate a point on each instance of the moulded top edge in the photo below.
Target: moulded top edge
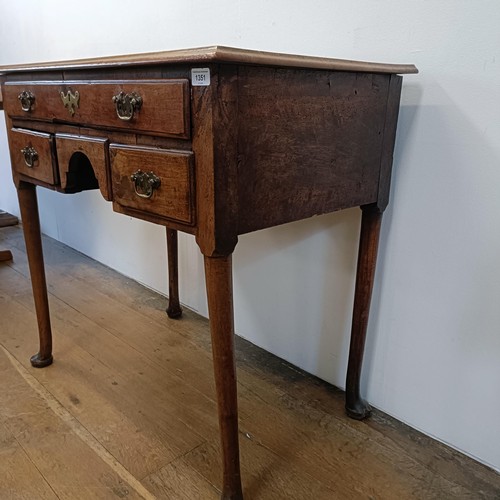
{"x": 214, "y": 54}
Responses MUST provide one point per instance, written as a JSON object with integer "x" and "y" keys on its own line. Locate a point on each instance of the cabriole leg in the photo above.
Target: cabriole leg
{"x": 31, "y": 227}
{"x": 371, "y": 220}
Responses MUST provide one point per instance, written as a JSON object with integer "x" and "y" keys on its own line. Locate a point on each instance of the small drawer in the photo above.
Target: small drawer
{"x": 83, "y": 163}
{"x": 32, "y": 154}
{"x": 157, "y": 181}
{"x": 159, "y": 107}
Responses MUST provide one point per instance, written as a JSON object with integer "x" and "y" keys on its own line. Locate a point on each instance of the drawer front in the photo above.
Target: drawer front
{"x": 156, "y": 181}
{"x": 155, "y": 106}
{"x": 32, "y": 154}
{"x": 83, "y": 162}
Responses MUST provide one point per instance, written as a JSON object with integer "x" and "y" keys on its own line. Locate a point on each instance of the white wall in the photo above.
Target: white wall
{"x": 433, "y": 353}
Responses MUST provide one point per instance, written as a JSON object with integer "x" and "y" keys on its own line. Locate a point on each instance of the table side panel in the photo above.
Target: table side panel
{"x": 309, "y": 143}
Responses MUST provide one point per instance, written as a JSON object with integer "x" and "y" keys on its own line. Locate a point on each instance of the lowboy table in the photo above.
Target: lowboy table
{"x": 215, "y": 142}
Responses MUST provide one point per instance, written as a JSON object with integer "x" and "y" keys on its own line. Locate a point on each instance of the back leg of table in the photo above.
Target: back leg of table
{"x": 31, "y": 227}
{"x": 174, "y": 309}
{"x": 371, "y": 220}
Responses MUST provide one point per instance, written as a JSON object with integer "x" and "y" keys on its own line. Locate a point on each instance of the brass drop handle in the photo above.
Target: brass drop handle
{"x": 127, "y": 104}
{"x": 27, "y": 99}
{"x": 30, "y": 156}
{"x": 145, "y": 183}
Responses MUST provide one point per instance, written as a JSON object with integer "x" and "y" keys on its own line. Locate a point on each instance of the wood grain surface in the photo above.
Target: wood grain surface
{"x": 216, "y": 53}
{"x": 309, "y": 142}
{"x": 45, "y": 165}
{"x": 164, "y": 110}
{"x": 71, "y": 171}
{"x": 173, "y": 199}
{"x": 130, "y": 402}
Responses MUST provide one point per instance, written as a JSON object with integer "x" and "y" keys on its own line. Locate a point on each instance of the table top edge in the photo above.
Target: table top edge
{"x": 213, "y": 54}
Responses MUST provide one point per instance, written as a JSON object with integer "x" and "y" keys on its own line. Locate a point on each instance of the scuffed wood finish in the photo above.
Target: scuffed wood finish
{"x": 95, "y": 150}
{"x": 219, "y": 281}
{"x": 215, "y": 146}
{"x": 173, "y": 199}
{"x": 371, "y": 220}
{"x": 31, "y": 227}
{"x": 215, "y": 54}
{"x": 310, "y": 143}
{"x": 20, "y": 477}
{"x": 45, "y": 166}
{"x": 174, "y": 309}
{"x": 164, "y": 109}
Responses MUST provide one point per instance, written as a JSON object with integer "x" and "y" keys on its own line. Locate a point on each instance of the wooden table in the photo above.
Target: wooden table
{"x": 215, "y": 142}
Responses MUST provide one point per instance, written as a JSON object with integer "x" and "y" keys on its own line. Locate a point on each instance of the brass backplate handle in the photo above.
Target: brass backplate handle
{"x": 127, "y": 104}
{"x": 27, "y": 99}
{"x": 70, "y": 101}
{"x": 145, "y": 183}
{"x": 30, "y": 156}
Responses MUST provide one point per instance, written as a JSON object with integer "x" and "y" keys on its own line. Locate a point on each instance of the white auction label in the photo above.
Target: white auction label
{"x": 200, "y": 77}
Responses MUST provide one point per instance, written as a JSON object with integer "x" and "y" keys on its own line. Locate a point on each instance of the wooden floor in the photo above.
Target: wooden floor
{"x": 127, "y": 409}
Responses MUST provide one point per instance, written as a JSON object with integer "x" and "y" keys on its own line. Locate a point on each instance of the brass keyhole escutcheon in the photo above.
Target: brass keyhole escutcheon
{"x": 70, "y": 101}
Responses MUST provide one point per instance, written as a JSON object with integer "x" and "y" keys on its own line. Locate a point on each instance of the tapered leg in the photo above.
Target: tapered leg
{"x": 218, "y": 276}
{"x": 32, "y": 236}
{"x": 356, "y": 407}
{"x": 174, "y": 309}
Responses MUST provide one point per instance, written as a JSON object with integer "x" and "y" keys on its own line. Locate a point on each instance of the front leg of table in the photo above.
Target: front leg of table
{"x": 218, "y": 277}
{"x": 174, "y": 309}
{"x": 371, "y": 220}
{"x": 31, "y": 227}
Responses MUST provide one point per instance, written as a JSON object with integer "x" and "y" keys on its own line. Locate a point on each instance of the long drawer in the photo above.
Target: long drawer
{"x": 158, "y": 106}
